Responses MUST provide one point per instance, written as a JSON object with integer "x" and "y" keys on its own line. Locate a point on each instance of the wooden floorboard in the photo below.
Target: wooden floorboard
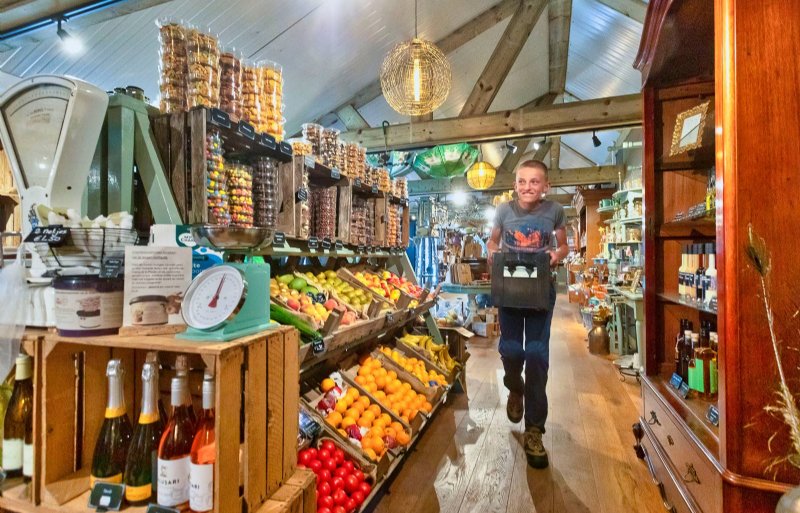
{"x": 471, "y": 459}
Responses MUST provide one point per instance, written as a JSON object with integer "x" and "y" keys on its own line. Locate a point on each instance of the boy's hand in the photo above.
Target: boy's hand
{"x": 553, "y": 258}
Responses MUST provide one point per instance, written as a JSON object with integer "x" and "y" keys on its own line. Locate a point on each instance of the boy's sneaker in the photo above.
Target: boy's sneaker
{"x": 514, "y": 407}
{"x": 534, "y": 448}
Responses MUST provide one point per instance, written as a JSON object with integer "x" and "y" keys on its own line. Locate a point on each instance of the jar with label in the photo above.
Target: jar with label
{"x": 149, "y": 310}
{"x": 87, "y": 305}
{"x": 520, "y": 272}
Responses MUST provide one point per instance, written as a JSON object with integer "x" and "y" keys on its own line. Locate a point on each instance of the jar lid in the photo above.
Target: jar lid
{"x": 147, "y": 299}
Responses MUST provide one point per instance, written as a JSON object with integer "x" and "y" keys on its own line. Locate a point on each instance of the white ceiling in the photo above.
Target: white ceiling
{"x": 331, "y": 49}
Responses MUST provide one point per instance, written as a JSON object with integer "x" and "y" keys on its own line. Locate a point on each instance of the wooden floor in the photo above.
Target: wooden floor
{"x": 471, "y": 458}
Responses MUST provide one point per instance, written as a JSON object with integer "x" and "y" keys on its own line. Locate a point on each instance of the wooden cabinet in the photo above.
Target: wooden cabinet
{"x": 739, "y": 57}
{"x": 586, "y": 203}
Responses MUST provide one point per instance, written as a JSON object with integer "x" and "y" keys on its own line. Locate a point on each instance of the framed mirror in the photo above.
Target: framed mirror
{"x": 689, "y": 129}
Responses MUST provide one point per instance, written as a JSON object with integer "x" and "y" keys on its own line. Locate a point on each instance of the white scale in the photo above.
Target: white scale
{"x": 49, "y": 126}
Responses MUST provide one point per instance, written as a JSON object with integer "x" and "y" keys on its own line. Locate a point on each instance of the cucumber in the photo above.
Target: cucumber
{"x": 283, "y": 316}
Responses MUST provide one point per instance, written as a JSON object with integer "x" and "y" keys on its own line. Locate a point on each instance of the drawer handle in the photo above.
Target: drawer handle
{"x": 664, "y": 501}
{"x": 670, "y": 440}
{"x": 691, "y": 475}
{"x": 653, "y": 419}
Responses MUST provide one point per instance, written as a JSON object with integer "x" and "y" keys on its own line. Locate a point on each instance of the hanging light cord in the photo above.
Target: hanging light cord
{"x": 416, "y": 34}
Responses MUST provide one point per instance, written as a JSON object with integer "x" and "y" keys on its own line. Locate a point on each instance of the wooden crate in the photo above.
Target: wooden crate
{"x": 256, "y": 384}
{"x": 291, "y": 181}
{"x": 381, "y": 221}
{"x": 297, "y": 495}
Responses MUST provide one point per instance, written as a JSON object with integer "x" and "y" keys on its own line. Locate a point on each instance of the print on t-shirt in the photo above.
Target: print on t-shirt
{"x": 528, "y": 238}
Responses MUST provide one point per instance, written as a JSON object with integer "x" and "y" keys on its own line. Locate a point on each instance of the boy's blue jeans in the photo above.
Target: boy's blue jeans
{"x": 525, "y": 340}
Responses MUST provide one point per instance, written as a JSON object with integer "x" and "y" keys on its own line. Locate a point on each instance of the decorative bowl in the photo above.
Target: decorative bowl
{"x": 232, "y": 237}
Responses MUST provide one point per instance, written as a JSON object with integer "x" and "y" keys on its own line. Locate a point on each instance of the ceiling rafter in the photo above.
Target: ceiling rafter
{"x": 633, "y": 9}
{"x": 502, "y": 60}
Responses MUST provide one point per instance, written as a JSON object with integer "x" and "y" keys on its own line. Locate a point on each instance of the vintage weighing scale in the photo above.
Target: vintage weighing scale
{"x": 227, "y": 302}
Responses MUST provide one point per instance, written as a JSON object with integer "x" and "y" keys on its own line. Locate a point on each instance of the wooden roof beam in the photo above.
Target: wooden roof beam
{"x": 601, "y": 113}
{"x": 505, "y": 181}
{"x": 456, "y": 39}
{"x": 351, "y": 118}
{"x": 503, "y": 57}
{"x": 633, "y": 9}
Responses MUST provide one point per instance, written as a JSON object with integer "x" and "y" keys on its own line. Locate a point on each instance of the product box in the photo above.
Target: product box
{"x": 486, "y": 329}
{"x": 489, "y": 315}
{"x": 180, "y": 235}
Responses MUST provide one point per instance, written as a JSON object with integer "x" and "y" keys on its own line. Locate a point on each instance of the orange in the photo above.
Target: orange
{"x": 334, "y": 418}
{"x": 327, "y": 384}
{"x": 386, "y": 419}
{"x": 364, "y": 358}
{"x": 380, "y": 371}
{"x": 363, "y": 370}
{"x": 342, "y": 432}
{"x": 376, "y": 431}
{"x": 380, "y": 381}
{"x": 366, "y": 443}
{"x": 406, "y": 386}
{"x": 388, "y": 431}
{"x": 371, "y": 388}
{"x": 405, "y": 419}
{"x": 352, "y": 392}
{"x": 406, "y": 414}
{"x": 378, "y": 423}
{"x": 377, "y": 445}
{"x": 348, "y": 401}
{"x": 380, "y": 395}
{"x": 368, "y": 415}
{"x": 341, "y": 406}
{"x": 353, "y": 413}
{"x": 371, "y": 454}
{"x": 396, "y": 410}
{"x": 391, "y": 375}
{"x": 347, "y": 422}
{"x": 427, "y": 407}
{"x": 364, "y": 422}
{"x": 397, "y": 427}
{"x": 393, "y": 386}
{"x": 413, "y": 414}
{"x": 375, "y": 410}
{"x": 360, "y": 407}
{"x": 361, "y": 380}
{"x": 402, "y": 438}
{"x": 364, "y": 401}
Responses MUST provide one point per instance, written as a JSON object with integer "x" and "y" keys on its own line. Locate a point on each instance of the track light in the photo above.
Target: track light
{"x": 596, "y": 140}
{"x": 536, "y": 146}
{"x": 71, "y": 45}
{"x": 511, "y": 147}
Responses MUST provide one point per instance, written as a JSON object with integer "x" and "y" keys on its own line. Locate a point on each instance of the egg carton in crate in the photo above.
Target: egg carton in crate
{"x": 87, "y": 247}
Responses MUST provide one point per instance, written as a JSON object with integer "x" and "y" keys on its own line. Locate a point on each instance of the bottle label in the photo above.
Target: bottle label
{"x": 12, "y": 453}
{"x": 138, "y": 493}
{"x": 173, "y": 481}
{"x": 201, "y": 494}
{"x": 116, "y": 479}
{"x": 27, "y": 460}
{"x": 81, "y": 310}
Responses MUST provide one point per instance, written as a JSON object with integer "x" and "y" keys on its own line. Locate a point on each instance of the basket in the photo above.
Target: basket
{"x": 87, "y": 247}
{"x": 532, "y": 291}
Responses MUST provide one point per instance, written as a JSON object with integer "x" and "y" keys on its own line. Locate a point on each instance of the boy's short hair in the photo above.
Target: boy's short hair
{"x": 534, "y": 164}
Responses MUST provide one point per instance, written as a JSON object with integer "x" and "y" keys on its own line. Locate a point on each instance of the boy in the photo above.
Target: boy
{"x": 527, "y": 224}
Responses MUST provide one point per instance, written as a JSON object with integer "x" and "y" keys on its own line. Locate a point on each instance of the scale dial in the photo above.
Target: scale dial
{"x": 215, "y": 296}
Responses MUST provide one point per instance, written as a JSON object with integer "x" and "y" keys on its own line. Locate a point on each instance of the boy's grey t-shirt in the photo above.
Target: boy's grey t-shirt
{"x": 528, "y": 231}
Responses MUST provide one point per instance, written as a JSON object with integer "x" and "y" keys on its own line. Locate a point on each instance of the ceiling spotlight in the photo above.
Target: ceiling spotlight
{"x": 596, "y": 140}
{"x": 511, "y": 147}
{"x": 536, "y": 145}
{"x": 71, "y": 45}
{"x": 459, "y": 198}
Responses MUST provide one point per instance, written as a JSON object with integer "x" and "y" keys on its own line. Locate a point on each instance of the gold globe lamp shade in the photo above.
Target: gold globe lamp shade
{"x": 415, "y": 77}
{"x": 481, "y": 175}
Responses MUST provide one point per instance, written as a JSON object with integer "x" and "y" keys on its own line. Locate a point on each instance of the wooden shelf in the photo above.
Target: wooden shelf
{"x": 627, "y": 220}
{"x": 676, "y": 299}
{"x": 690, "y": 229}
{"x": 694, "y": 167}
{"x": 620, "y": 194}
{"x": 693, "y": 413}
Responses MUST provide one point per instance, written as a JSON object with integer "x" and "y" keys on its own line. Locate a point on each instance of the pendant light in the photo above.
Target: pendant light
{"x": 415, "y": 76}
{"x": 481, "y": 174}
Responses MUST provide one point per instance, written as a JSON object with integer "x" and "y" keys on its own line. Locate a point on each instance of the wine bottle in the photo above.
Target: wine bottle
{"x": 700, "y": 273}
{"x": 111, "y": 448}
{"x": 203, "y": 456}
{"x": 182, "y": 371}
{"x": 682, "y": 271}
{"x": 143, "y": 451}
{"x": 152, "y": 357}
{"x": 680, "y": 351}
{"x": 174, "y": 450}
{"x": 688, "y": 352}
{"x": 710, "y": 292}
{"x": 18, "y": 424}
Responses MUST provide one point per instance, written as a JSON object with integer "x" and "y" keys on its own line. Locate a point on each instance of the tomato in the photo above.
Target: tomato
{"x": 359, "y": 475}
{"x": 349, "y": 466}
{"x": 365, "y": 488}
{"x": 350, "y": 505}
{"x": 339, "y": 497}
{"x": 341, "y": 472}
{"x": 312, "y": 452}
{"x": 357, "y": 496}
{"x": 324, "y": 489}
{"x": 315, "y": 465}
{"x": 351, "y": 484}
{"x": 323, "y": 476}
{"x": 338, "y": 509}
{"x": 328, "y": 445}
{"x": 337, "y": 483}
{"x": 323, "y": 510}
{"x": 325, "y": 501}
{"x": 338, "y": 455}
{"x": 323, "y": 455}
{"x": 329, "y": 464}
{"x": 304, "y": 457}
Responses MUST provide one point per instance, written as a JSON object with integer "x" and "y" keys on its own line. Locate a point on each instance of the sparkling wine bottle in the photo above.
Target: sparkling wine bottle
{"x": 152, "y": 357}
{"x": 18, "y": 424}
{"x": 203, "y": 456}
{"x": 111, "y": 448}
{"x": 143, "y": 451}
{"x": 182, "y": 371}
{"x": 174, "y": 450}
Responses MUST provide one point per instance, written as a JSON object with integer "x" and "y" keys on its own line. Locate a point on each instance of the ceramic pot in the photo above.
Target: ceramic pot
{"x": 789, "y": 502}
{"x": 598, "y": 338}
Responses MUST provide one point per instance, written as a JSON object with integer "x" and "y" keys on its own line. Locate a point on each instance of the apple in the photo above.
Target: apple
{"x": 330, "y": 304}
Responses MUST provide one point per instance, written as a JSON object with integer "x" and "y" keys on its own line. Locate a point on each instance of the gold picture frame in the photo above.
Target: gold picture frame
{"x": 635, "y": 280}
{"x": 689, "y": 129}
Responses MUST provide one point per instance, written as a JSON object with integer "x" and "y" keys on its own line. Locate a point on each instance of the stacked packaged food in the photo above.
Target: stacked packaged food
{"x": 300, "y": 146}
{"x": 266, "y": 189}
{"x": 358, "y": 218}
{"x": 323, "y": 203}
{"x": 394, "y": 233}
{"x": 353, "y": 164}
{"x": 230, "y": 85}
{"x": 251, "y": 98}
{"x": 329, "y": 144}
{"x": 271, "y": 121}
{"x": 202, "y": 53}
{"x": 400, "y": 187}
{"x": 240, "y": 192}
{"x": 384, "y": 182}
{"x": 216, "y": 182}
{"x": 173, "y": 67}
{"x": 312, "y": 133}
{"x": 369, "y": 223}
{"x": 341, "y": 158}
{"x": 304, "y": 228}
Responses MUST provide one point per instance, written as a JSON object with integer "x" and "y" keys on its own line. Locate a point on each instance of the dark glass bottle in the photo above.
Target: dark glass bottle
{"x": 700, "y": 274}
{"x": 111, "y": 448}
{"x": 143, "y": 452}
{"x": 152, "y": 357}
{"x": 680, "y": 350}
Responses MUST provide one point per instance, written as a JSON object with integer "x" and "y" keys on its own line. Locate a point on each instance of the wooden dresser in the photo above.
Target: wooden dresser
{"x": 740, "y": 59}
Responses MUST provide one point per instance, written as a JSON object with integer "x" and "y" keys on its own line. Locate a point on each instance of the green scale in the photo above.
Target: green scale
{"x": 227, "y": 301}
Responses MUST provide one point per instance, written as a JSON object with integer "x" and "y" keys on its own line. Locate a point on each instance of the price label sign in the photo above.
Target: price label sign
{"x": 107, "y": 496}
{"x": 302, "y": 194}
{"x": 713, "y": 415}
{"x": 309, "y": 161}
{"x": 339, "y": 245}
{"x": 54, "y": 235}
{"x": 318, "y": 346}
{"x": 313, "y": 243}
{"x": 286, "y": 148}
{"x": 335, "y": 174}
{"x": 684, "y": 390}
{"x": 360, "y": 249}
{"x": 112, "y": 267}
{"x": 326, "y": 243}
{"x": 390, "y": 318}
{"x": 676, "y": 381}
{"x": 246, "y": 130}
{"x": 278, "y": 239}
{"x": 357, "y": 183}
{"x": 155, "y": 508}
{"x": 268, "y": 141}
{"x": 374, "y": 189}
{"x": 219, "y": 118}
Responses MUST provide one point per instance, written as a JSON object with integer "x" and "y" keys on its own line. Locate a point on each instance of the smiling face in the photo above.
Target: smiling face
{"x": 530, "y": 184}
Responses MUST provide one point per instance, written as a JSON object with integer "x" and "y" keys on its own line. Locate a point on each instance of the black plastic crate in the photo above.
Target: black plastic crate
{"x": 530, "y": 292}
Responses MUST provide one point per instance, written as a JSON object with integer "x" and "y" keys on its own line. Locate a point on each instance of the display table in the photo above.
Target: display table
{"x": 471, "y": 291}
{"x": 635, "y": 300}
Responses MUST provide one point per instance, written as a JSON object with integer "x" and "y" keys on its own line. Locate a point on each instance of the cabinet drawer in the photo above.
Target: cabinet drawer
{"x": 696, "y": 473}
{"x": 671, "y": 497}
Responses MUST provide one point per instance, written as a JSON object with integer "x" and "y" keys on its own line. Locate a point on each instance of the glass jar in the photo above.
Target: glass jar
{"x": 266, "y": 187}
